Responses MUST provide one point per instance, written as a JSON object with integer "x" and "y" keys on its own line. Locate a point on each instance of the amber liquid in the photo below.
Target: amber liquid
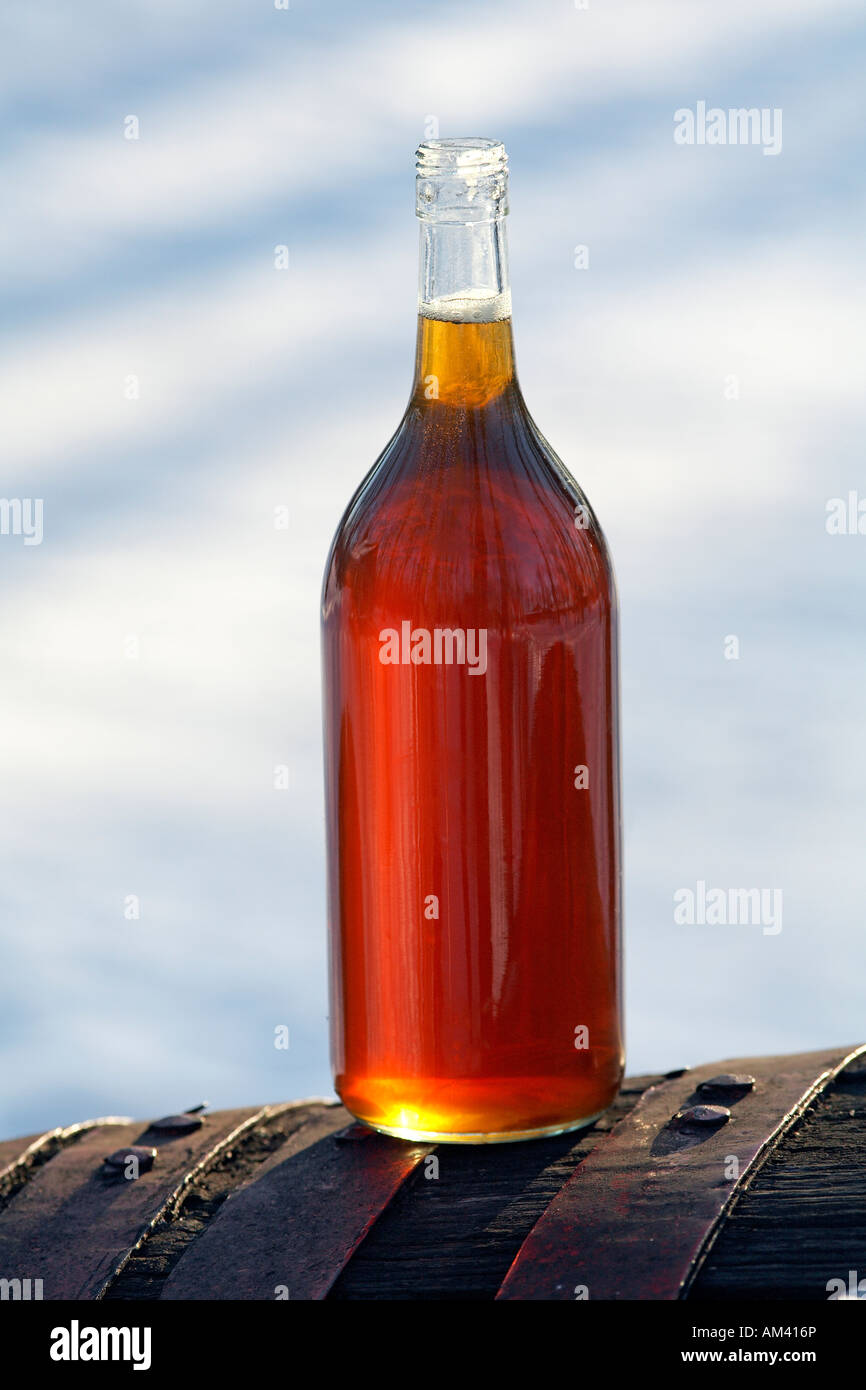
{"x": 474, "y": 889}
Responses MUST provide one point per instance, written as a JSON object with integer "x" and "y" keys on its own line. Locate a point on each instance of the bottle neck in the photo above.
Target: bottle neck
{"x": 465, "y": 353}
{"x": 464, "y": 271}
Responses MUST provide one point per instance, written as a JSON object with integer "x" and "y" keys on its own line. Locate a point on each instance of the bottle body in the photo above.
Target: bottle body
{"x": 471, "y": 698}
{"x": 473, "y": 806}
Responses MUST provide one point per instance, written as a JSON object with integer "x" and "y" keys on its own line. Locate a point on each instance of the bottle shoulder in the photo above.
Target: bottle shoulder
{"x": 471, "y": 502}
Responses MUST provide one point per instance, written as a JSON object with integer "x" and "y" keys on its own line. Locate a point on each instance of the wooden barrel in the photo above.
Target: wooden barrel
{"x": 742, "y": 1179}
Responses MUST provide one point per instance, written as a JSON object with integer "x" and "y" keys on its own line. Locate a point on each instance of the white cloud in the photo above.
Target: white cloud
{"x": 111, "y": 765}
{"x": 314, "y": 114}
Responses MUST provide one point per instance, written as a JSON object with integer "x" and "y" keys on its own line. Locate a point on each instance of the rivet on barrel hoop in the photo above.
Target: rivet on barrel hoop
{"x": 727, "y": 1081}
{"x": 143, "y": 1156}
{"x": 177, "y": 1124}
{"x": 353, "y": 1134}
{"x": 704, "y": 1115}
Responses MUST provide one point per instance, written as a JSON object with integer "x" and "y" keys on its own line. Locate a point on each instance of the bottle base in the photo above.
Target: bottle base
{"x": 502, "y": 1109}
{"x": 514, "y": 1136}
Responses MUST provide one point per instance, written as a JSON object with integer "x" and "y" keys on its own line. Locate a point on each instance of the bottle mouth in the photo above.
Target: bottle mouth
{"x": 461, "y": 180}
{"x": 464, "y": 153}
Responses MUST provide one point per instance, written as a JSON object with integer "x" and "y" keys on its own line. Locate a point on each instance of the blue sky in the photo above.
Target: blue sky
{"x": 153, "y": 775}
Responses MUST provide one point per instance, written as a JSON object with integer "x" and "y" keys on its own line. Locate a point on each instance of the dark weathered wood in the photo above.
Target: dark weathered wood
{"x": 291, "y": 1228}
{"x": 454, "y": 1236}
{"x": 634, "y": 1219}
{"x": 20, "y": 1158}
{"x": 14, "y": 1152}
{"x": 152, "y": 1261}
{"x": 74, "y": 1223}
{"x": 278, "y": 1205}
{"x": 802, "y": 1220}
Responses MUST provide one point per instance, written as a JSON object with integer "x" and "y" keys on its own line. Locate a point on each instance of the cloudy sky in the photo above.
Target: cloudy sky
{"x": 164, "y": 388}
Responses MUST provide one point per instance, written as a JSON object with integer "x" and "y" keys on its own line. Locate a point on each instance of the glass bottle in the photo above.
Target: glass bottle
{"x": 471, "y": 697}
